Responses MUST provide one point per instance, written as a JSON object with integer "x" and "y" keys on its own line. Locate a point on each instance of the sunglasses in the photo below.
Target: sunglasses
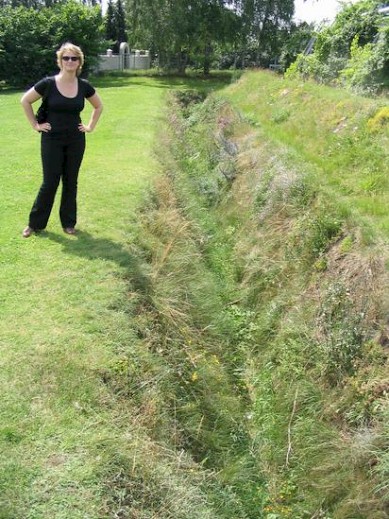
{"x": 70, "y": 58}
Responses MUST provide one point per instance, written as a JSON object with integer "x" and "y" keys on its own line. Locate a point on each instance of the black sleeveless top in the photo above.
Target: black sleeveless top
{"x": 64, "y": 112}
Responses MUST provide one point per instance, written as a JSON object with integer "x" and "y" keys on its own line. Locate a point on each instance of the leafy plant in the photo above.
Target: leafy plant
{"x": 379, "y": 121}
{"x": 343, "y": 336}
{"x": 353, "y": 51}
{"x": 29, "y": 39}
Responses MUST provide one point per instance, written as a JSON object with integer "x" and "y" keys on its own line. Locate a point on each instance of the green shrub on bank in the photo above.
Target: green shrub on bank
{"x": 353, "y": 52}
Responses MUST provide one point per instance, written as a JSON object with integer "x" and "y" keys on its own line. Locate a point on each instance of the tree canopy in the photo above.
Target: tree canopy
{"x": 30, "y": 37}
{"x": 201, "y": 34}
{"x": 189, "y": 32}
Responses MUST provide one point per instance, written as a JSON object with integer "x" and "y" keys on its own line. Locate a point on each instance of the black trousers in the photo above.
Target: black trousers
{"x": 62, "y": 154}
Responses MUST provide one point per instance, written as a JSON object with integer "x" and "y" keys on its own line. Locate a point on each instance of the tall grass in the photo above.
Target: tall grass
{"x": 301, "y": 311}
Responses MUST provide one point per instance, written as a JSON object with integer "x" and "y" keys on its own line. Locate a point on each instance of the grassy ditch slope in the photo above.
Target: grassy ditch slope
{"x": 265, "y": 312}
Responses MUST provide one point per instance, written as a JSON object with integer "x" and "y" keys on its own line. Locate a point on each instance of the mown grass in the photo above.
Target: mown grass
{"x": 66, "y": 436}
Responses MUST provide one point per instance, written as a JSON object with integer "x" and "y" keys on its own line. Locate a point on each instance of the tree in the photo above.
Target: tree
{"x": 180, "y": 32}
{"x": 120, "y": 22}
{"x": 352, "y": 51}
{"x": 28, "y": 39}
{"x": 294, "y": 42}
{"x": 188, "y": 32}
{"x": 115, "y": 24}
{"x": 36, "y": 4}
{"x": 216, "y": 22}
{"x": 262, "y": 23}
{"x": 109, "y": 22}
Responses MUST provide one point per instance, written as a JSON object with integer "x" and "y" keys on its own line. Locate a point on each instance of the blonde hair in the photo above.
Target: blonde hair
{"x": 70, "y": 47}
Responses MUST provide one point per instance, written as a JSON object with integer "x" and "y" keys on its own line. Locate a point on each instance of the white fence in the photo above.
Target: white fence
{"x": 126, "y": 59}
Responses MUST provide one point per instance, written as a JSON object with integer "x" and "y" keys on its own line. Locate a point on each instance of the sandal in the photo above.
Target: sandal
{"x": 28, "y": 231}
{"x": 69, "y": 230}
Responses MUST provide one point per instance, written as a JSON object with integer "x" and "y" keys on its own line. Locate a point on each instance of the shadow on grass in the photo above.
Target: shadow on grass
{"x": 164, "y": 82}
{"x": 87, "y": 246}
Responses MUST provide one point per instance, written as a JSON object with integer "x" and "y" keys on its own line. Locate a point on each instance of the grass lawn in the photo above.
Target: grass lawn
{"x": 63, "y": 307}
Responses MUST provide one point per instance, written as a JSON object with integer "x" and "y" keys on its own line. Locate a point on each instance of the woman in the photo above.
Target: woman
{"x": 63, "y": 137}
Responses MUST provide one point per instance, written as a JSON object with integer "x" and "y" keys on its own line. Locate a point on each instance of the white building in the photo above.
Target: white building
{"x": 126, "y": 59}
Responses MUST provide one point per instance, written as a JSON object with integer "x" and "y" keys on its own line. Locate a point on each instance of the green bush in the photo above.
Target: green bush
{"x": 353, "y": 51}
{"x": 365, "y": 70}
{"x": 29, "y": 39}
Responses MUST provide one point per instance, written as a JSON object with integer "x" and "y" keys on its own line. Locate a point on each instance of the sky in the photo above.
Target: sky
{"x": 317, "y": 10}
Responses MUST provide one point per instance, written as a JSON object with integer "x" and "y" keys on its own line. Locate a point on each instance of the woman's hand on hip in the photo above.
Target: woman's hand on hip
{"x": 85, "y": 128}
{"x": 43, "y": 127}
